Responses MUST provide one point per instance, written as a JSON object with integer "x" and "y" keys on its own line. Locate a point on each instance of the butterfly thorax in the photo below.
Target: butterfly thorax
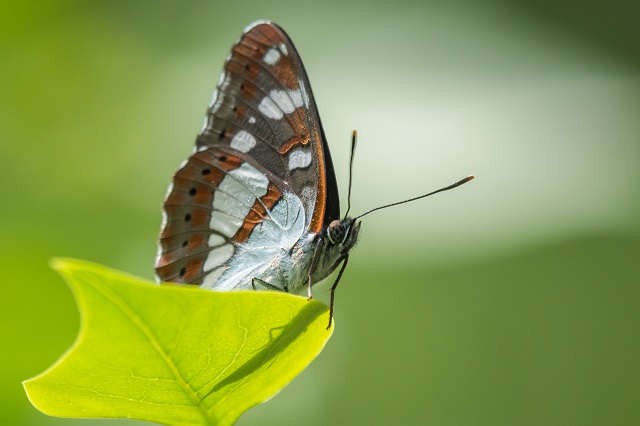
{"x": 320, "y": 253}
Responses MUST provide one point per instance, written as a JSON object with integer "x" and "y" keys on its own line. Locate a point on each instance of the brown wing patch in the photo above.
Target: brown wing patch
{"x": 258, "y": 213}
{"x": 301, "y": 139}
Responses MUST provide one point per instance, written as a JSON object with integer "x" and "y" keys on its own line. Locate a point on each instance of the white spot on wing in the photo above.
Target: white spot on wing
{"x": 296, "y": 97}
{"x": 225, "y": 224}
{"x": 215, "y": 240}
{"x": 211, "y": 278}
{"x": 252, "y": 119}
{"x": 283, "y": 49}
{"x": 234, "y": 198}
{"x": 299, "y": 159}
{"x": 272, "y": 56}
{"x": 218, "y": 256}
{"x": 281, "y": 101}
{"x": 254, "y": 180}
{"x": 270, "y": 109}
{"x": 287, "y": 101}
{"x": 243, "y": 141}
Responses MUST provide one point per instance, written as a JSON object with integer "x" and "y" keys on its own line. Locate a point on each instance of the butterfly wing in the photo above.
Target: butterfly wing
{"x": 261, "y": 169}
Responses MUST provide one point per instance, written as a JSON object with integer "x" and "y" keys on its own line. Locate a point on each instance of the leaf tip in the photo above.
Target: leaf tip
{"x": 28, "y": 386}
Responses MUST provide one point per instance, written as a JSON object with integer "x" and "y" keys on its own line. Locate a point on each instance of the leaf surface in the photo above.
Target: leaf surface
{"x": 177, "y": 355}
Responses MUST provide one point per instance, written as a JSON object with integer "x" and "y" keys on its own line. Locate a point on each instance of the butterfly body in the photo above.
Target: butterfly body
{"x": 256, "y": 205}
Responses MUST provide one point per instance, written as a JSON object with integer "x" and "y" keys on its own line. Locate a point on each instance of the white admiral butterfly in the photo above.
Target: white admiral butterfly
{"x": 256, "y": 206}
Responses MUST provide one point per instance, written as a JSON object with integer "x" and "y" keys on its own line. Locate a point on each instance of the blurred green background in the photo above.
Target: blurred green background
{"x": 512, "y": 300}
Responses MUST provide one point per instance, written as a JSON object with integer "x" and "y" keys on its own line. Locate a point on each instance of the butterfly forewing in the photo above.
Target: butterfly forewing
{"x": 264, "y": 106}
{"x": 262, "y": 139}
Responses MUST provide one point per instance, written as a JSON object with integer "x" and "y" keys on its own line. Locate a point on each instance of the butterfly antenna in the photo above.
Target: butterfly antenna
{"x": 354, "y": 135}
{"x": 446, "y": 188}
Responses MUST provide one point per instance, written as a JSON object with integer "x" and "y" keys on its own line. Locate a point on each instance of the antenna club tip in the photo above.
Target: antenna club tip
{"x": 354, "y": 132}
{"x": 463, "y": 181}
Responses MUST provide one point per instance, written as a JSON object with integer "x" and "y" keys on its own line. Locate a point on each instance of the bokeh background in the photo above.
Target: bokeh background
{"x": 512, "y": 300}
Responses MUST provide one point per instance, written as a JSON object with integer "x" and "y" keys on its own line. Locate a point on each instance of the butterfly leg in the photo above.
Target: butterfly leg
{"x": 333, "y": 289}
{"x": 314, "y": 263}
{"x": 266, "y": 285}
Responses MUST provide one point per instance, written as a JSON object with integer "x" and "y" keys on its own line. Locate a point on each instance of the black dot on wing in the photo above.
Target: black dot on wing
{"x": 183, "y": 271}
{"x": 206, "y": 172}
{"x": 184, "y": 243}
{"x": 242, "y": 86}
{"x": 221, "y": 134}
{"x": 235, "y": 109}
{"x": 187, "y": 217}
{"x": 193, "y": 191}
{"x": 247, "y": 67}
{"x": 222, "y": 158}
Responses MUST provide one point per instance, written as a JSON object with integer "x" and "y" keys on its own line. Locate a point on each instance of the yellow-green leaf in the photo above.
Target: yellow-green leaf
{"x": 175, "y": 355}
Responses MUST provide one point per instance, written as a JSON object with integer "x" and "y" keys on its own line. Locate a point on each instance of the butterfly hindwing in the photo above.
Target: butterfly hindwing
{"x": 186, "y": 235}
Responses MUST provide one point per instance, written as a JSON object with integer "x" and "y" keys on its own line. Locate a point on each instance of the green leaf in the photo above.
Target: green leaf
{"x": 175, "y": 355}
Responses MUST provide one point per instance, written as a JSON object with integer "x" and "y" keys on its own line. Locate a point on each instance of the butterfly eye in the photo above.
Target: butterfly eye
{"x": 336, "y": 232}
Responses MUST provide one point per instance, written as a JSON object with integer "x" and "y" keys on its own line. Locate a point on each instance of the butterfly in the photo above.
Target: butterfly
{"x": 256, "y": 205}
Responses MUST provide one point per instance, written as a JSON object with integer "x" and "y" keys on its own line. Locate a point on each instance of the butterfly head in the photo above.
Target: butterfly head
{"x": 343, "y": 234}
